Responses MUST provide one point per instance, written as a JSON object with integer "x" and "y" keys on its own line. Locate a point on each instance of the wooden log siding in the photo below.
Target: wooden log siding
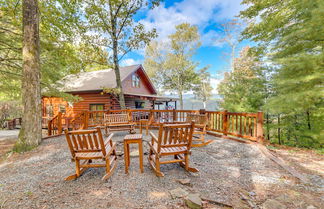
{"x": 243, "y": 125}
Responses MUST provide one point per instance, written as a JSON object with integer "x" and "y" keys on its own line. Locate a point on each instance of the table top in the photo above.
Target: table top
{"x": 133, "y": 136}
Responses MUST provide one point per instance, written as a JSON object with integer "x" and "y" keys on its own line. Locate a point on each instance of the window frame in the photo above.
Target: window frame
{"x": 97, "y": 104}
{"x": 136, "y": 81}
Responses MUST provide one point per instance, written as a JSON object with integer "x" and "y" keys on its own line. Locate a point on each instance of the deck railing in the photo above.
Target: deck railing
{"x": 243, "y": 125}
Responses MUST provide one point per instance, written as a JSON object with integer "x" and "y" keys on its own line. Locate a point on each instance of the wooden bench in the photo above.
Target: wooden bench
{"x": 118, "y": 122}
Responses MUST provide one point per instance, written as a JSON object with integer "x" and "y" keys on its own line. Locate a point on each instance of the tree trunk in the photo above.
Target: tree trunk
{"x": 31, "y": 131}
{"x": 279, "y": 133}
{"x": 308, "y": 120}
{"x": 116, "y": 65}
{"x": 204, "y": 104}
{"x": 118, "y": 80}
{"x": 181, "y": 100}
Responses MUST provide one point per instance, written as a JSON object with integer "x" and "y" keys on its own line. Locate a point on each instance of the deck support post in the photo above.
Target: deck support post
{"x": 225, "y": 123}
{"x": 260, "y": 127}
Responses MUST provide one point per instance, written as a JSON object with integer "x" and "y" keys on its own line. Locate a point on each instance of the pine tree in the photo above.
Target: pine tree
{"x": 290, "y": 35}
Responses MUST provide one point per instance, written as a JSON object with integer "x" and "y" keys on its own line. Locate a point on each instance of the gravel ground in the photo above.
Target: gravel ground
{"x": 228, "y": 169}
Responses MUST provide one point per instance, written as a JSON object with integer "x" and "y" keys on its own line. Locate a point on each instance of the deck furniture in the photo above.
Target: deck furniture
{"x": 200, "y": 129}
{"x": 119, "y": 122}
{"x": 173, "y": 140}
{"x": 88, "y": 145}
{"x": 129, "y": 139}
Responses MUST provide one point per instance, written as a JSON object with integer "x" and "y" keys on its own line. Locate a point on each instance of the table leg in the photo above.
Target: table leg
{"x": 140, "y": 148}
{"x": 126, "y": 157}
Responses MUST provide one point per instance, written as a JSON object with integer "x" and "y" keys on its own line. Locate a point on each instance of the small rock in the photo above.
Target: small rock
{"x": 184, "y": 181}
{"x": 178, "y": 193}
{"x": 134, "y": 153}
{"x": 311, "y": 207}
{"x": 273, "y": 204}
{"x": 119, "y": 153}
{"x": 252, "y": 193}
{"x": 193, "y": 201}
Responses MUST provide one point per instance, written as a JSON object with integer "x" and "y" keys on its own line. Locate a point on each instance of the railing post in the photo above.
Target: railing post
{"x": 59, "y": 123}
{"x": 174, "y": 115}
{"x": 260, "y": 127}
{"x": 225, "y": 123}
{"x": 202, "y": 111}
{"x": 49, "y": 128}
{"x": 86, "y": 120}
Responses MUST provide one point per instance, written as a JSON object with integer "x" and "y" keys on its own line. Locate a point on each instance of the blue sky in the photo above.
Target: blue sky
{"x": 207, "y": 15}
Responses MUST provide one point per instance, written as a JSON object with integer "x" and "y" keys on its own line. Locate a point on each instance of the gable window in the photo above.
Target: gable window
{"x": 135, "y": 81}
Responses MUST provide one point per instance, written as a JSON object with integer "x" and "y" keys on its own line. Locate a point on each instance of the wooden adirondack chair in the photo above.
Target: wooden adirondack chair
{"x": 88, "y": 145}
{"x": 174, "y": 140}
{"x": 199, "y": 130}
{"x": 119, "y": 122}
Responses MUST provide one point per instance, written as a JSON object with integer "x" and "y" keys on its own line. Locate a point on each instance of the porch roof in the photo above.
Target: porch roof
{"x": 156, "y": 97}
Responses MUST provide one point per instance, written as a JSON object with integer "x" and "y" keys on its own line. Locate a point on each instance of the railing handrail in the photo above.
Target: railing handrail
{"x": 244, "y": 125}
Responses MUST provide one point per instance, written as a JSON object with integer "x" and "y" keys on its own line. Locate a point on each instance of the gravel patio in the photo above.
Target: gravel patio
{"x": 232, "y": 173}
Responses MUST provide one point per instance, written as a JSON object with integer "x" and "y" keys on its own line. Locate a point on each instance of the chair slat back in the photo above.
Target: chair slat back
{"x": 85, "y": 141}
{"x": 175, "y": 135}
{"x": 199, "y": 119}
{"x": 116, "y": 118}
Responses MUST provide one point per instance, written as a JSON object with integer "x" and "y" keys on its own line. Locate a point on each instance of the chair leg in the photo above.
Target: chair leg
{"x": 110, "y": 167}
{"x": 158, "y": 167}
{"x": 155, "y": 165}
{"x": 78, "y": 170}
{"x": 77, "y": 167}
{"x": 185, "y": 164}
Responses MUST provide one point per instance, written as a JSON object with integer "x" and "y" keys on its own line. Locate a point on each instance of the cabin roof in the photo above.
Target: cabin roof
{"x": 97, "y": 80}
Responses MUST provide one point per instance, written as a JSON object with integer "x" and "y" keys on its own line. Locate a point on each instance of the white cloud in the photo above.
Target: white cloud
{"x": 129, "y": 61}
{"x": 197, "y": 12}
{"x": 212, "y": 38}
{"x": 214, "y": 82}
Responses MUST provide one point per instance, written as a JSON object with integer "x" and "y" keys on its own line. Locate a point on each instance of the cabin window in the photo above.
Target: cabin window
{"x": 96, "y": 107}
{"x": 97, "y": 117}
{"x": 62, "y": 108}
{"x": 135, "y": 81}
{"x": 49, "y": 110}
{"x": 139, "y": 105}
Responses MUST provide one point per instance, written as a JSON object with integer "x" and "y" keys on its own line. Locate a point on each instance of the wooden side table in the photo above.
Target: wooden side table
{"x": 129, "y": 139}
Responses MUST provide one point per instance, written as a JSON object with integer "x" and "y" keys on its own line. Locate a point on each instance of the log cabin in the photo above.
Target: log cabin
{"x": 139, "y": 92}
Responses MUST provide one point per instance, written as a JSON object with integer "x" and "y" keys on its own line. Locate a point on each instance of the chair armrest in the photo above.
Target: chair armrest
{"x": 153, "y": 149}
{"x": 109, "y": 139}
{"x": 154, "y": 138}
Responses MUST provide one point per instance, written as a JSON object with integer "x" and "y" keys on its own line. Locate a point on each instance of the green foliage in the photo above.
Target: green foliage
{"x": 203, "y": 90}
{"x": 290, "y": 38}
{"x": 243, "y": 90}
{"x": 114, "y": 91}
{"x": 170, "y": 64}
{"x": 62, "y": 49}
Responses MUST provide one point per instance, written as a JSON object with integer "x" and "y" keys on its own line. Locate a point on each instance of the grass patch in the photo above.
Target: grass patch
{"x": 272, "y": 147}
{"x": 320, "y": 151}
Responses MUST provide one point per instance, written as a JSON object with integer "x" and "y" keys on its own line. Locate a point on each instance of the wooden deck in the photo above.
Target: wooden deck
{"x": 244, "y": 125}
